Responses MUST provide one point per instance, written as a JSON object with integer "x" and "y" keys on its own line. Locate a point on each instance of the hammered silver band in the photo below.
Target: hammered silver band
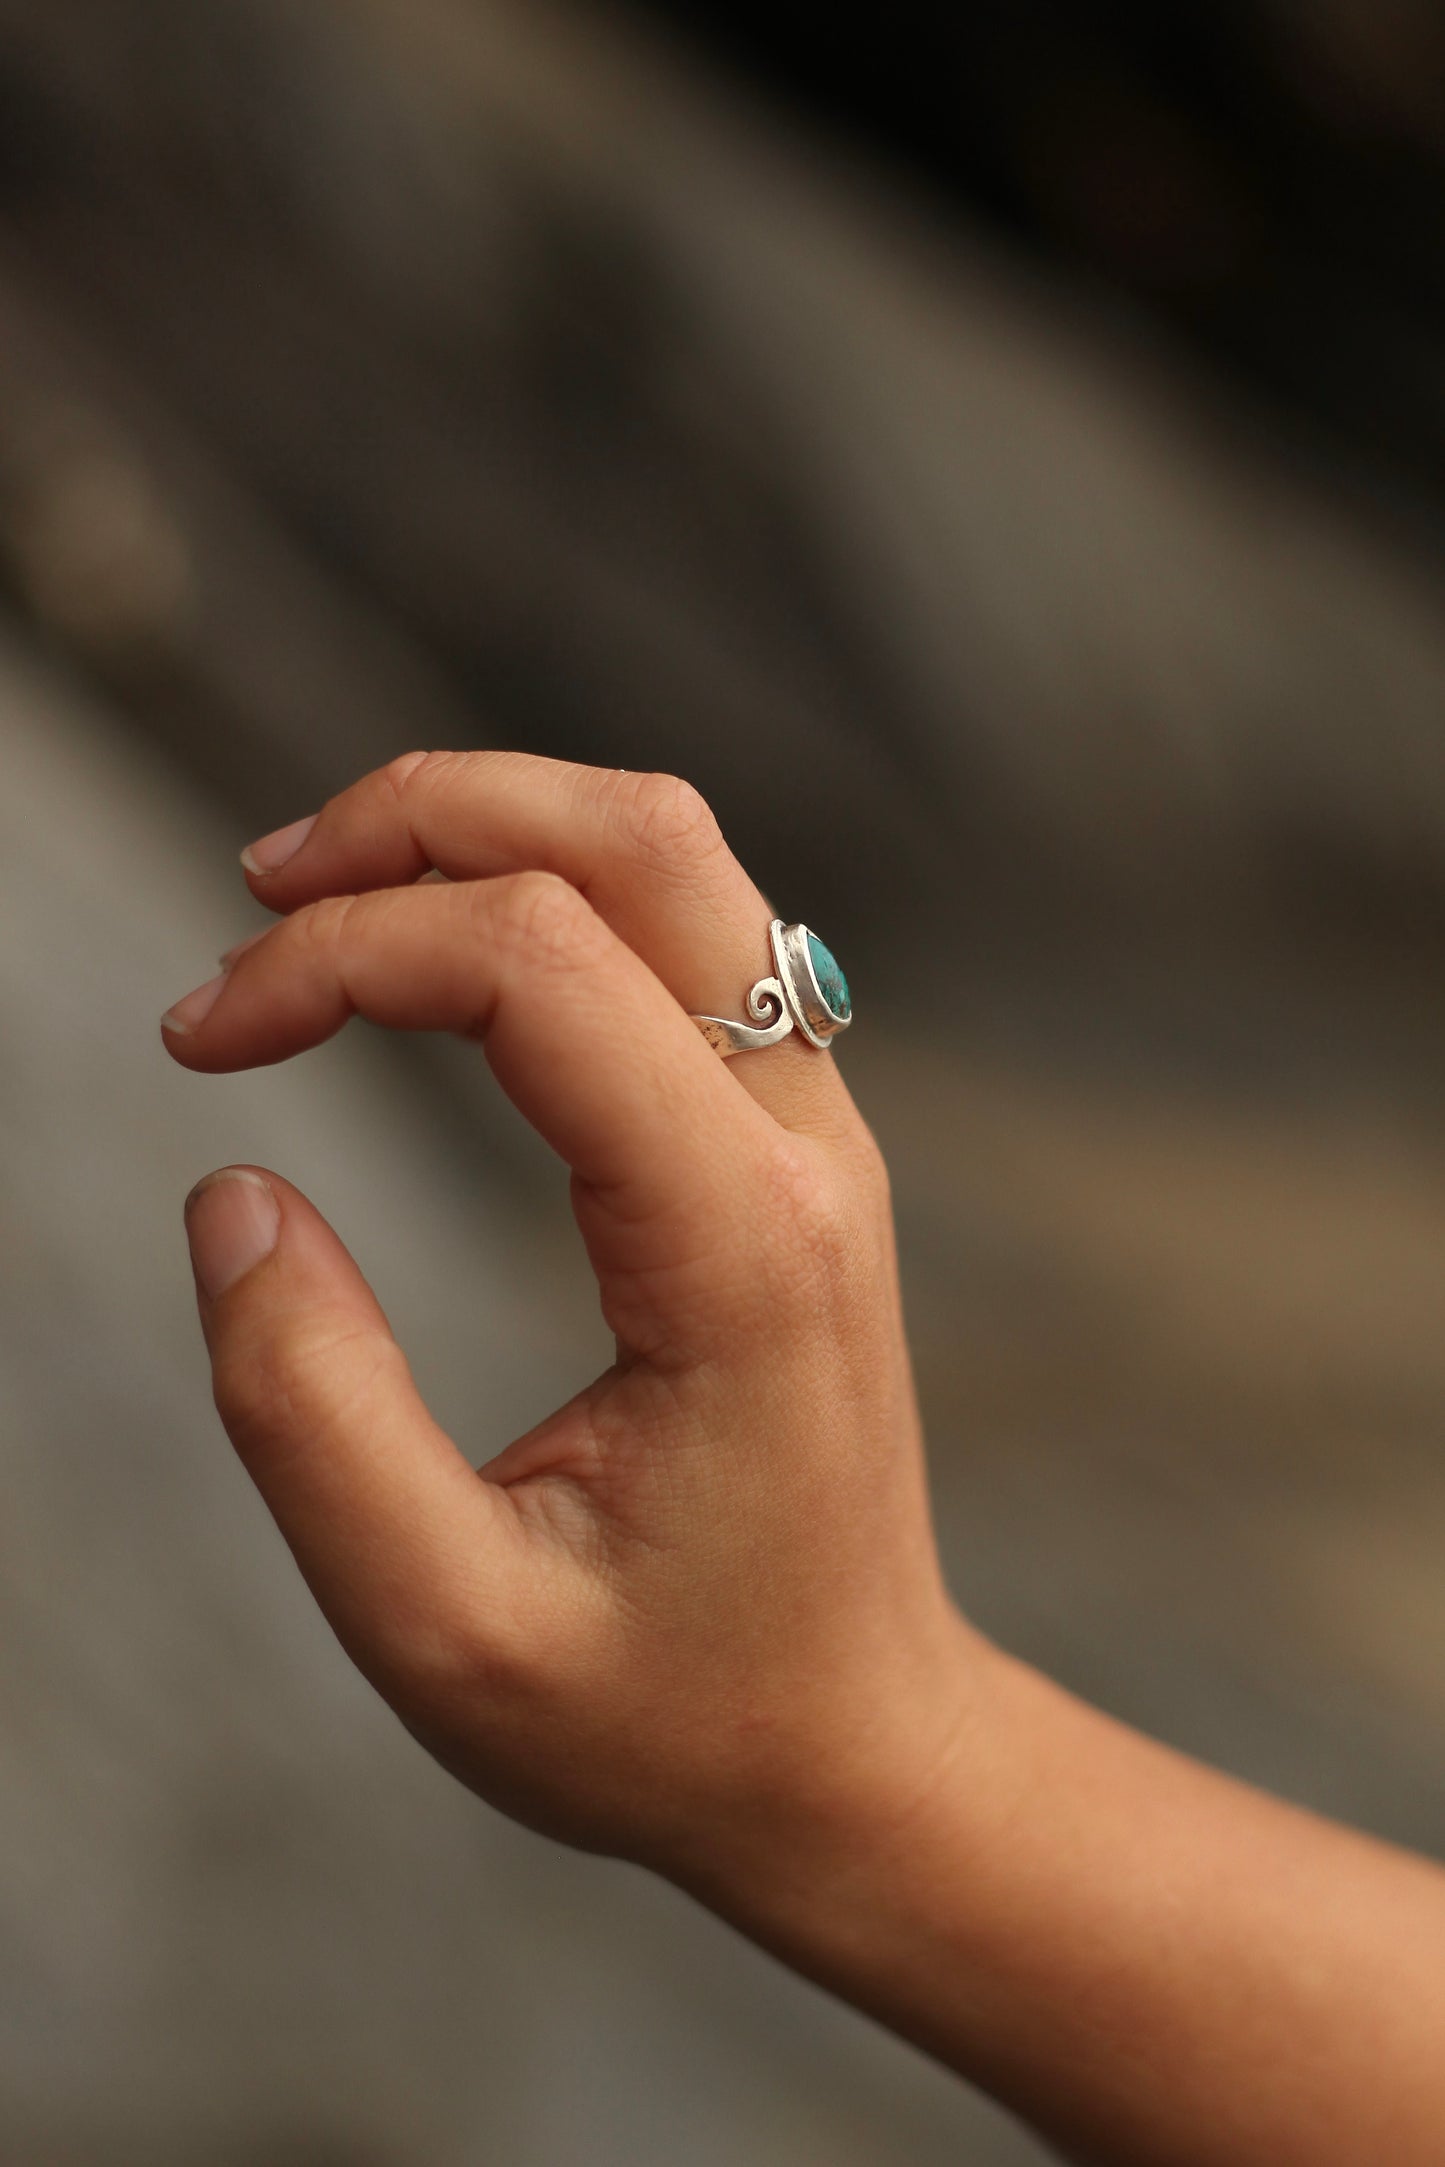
{"x": 793, "y": 999}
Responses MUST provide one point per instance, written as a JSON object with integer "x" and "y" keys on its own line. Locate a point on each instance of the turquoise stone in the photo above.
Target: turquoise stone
{"x": 831, "y": 983}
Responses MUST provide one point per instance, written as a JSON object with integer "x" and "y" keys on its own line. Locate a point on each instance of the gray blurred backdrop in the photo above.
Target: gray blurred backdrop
{"x": 1014, "y": 495}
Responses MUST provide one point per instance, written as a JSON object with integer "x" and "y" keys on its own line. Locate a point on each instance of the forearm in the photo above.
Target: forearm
{"x": 1148, "y": 1961}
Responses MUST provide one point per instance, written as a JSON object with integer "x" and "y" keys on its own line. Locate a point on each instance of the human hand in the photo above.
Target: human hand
{"x": 695, "y": 1616}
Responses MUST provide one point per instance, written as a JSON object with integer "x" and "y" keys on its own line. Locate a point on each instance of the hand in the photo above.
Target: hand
{"x": 696, "y": 1614}
{"x": 695, "y": 1617}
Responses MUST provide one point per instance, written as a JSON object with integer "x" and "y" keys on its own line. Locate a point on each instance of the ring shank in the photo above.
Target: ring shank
{"x": 767, "y": 1000}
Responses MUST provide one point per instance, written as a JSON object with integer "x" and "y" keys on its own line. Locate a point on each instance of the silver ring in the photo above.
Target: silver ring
{"x": 808, "y": 993}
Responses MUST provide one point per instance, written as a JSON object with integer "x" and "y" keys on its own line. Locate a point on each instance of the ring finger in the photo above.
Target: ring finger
{"x": 644, "y": 850}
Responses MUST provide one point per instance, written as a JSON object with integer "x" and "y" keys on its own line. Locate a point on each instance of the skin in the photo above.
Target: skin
{"x": 696, "y": 1617}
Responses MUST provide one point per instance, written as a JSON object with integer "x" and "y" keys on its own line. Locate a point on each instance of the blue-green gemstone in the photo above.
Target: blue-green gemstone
{"x": 831, "y": 983}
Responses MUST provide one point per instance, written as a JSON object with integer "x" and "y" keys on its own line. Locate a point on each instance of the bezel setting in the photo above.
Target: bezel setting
{"x": 793, "y": 956}
{"x": 791, "y": 1000}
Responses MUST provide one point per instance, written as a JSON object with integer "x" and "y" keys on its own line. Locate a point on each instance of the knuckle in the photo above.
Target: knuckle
{"x": 281, "y": 1393}
{"x": 459, "y": 1665}
{"x": 816, "y": 1242}
{"x": 867, "y": 1173}
{"x": 441, "y": 1666}
{"x": 474, "y": 1660}
{"x": 668, "y": 821}
{"x": 542, "y": 918}
{"x": 427, "y": 774}
{"x": 399, "y": 777}
{"x": 319, "y": 929}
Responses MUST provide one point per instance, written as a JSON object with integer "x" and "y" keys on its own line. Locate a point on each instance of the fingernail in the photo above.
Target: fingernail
{"x": 233, "y": 955}
{"x": 232, "y": 1221}
{"x": 274, "y": 851}
{"x": 188, "y": 1015}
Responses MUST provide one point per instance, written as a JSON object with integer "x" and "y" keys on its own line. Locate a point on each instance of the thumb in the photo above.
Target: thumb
{"x": 406, "y": 1548}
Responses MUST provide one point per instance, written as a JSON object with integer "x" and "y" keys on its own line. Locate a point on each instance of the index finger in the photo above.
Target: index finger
{"x": 675, "y": 1166}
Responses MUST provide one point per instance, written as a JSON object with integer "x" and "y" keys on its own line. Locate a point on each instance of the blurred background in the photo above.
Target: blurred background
{"x": 999, "y": 455}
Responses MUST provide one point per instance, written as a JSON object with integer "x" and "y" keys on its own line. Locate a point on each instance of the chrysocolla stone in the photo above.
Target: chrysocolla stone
{"x": 831, "y": 983}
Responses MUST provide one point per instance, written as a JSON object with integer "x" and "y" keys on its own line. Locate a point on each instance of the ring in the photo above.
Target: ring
{"x": 809, "y": 993}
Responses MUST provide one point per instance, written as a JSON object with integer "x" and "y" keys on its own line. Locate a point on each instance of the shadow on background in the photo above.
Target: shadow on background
{"x": 1002, "y": 466}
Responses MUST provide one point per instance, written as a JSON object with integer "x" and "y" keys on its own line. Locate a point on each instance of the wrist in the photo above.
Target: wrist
{"x": 821, "y": 1864}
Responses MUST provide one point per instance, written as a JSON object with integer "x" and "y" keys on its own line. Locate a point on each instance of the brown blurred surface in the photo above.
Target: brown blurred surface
{"x": 473, "y": 373}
